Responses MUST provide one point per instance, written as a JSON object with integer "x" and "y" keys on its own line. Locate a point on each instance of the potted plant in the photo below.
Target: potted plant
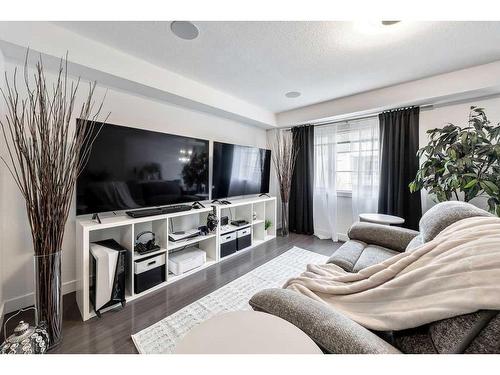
{"x": 462, "y": 162}
{"x": 45, "y": 154}
{"x": 267, "y": 224}
{"x": 284, "y": 155}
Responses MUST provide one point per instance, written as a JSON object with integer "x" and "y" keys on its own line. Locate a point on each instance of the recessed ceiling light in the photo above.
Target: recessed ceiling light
{"x": 389, "y": 23}
{"x": 184, "y": 29}
{"x": 293, "y": 94}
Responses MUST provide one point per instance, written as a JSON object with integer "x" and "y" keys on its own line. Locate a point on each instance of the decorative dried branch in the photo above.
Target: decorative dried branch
{"x": 45, "y": 153}
{"x": 284, "y": 155}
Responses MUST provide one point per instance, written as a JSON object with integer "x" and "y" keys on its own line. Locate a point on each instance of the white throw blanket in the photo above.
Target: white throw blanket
{"x": 456, "y": 273}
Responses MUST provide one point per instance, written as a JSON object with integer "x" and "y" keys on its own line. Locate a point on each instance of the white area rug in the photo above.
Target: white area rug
{"x": 161, "y": 337}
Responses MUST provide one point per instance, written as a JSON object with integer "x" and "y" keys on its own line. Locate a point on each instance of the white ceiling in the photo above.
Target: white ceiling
{"x": 261, "y": 61}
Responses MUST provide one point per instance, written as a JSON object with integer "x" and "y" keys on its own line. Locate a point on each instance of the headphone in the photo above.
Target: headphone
{"x": 212, "y": 219}
{"x": 143, "y": 247}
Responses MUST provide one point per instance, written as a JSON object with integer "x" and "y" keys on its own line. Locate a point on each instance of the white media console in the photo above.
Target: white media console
{"x": 123, "y": 229}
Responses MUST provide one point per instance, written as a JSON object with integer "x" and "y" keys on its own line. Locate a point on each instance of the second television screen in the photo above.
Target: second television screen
{"x": 239, "y": 170}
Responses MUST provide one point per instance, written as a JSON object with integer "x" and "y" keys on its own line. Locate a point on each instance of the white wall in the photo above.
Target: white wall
{"x": 2, "y": 178}
{"x": 456, "y": 114}
{"x": 126, "y": 109}
{"x": 273, "y": 182}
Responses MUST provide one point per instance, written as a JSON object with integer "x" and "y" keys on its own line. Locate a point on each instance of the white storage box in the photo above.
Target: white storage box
{"x": 186, "y": 260}
{"x": 227, "y": 244}
{"x": 244, "y": 239}
{"x": 149, "y": 272}
{"x": 149, "y": 263}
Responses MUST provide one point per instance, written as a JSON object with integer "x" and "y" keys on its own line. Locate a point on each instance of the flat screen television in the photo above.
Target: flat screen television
{"x": 131, "y": 168}
{"x": 239, "y": 170}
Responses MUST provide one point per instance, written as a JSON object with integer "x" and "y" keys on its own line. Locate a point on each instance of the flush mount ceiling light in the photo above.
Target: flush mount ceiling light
{"x": 184, "y": 29}
{"x": 389, "y": 23}
{"x": 293, "y": 94}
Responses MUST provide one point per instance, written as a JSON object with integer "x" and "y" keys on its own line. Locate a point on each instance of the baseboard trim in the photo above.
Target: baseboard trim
{"x": 26, "y": 300}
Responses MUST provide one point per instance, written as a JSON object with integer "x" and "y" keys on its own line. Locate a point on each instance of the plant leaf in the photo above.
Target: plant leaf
{"x": 470, "y": 184}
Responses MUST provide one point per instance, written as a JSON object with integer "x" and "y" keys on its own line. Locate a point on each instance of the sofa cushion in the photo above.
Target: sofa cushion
{"x": 395, "y": 238}
{"x": 454, "y": 335}
{"x": 414, "y": 341}
{"x": 347, "y": 255}
{"x": 371, "y": 255}
{"x": 416, "y": 242}
{"x": 444, "y": 214}
{"x": 488, "y": 340}
{"x": 330, "y": 329}
{"x": 354, "y": 255}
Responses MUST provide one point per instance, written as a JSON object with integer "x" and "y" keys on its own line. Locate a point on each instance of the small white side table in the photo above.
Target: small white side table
{"x": 246, "y": 332}
{"x": 381, "y": 219}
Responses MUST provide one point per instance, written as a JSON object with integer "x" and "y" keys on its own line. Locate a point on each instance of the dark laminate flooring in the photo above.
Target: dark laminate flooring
{"x": 111, "y": 333}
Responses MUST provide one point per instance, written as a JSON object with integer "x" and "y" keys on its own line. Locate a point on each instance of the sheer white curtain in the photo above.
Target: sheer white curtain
{"x": 364, "y": 139}
{"x": 325, "y": 194}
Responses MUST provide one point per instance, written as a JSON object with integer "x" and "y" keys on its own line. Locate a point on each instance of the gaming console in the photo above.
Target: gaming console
{"x": 239, "y": 223}
{"x": 184, "y": 235}
{"x": 109, "y": 267}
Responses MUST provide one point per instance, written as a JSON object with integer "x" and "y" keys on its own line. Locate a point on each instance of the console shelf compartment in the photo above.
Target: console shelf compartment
{"x": 246, "y": 209}
{"x": 156, "y": 252}
{"x": 125, "y": 229}
{"x": 173, "y": 278}
{"x": 177, "y": 245}
{"x": 232, "y": 228}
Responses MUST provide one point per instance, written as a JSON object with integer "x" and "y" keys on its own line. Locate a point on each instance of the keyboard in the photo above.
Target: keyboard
{"x": 158, "y": 210}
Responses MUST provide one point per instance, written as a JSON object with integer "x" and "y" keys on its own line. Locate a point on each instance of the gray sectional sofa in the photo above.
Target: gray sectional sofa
{"x": 369, "y": 244}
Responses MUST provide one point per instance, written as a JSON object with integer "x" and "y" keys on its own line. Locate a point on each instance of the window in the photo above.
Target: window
{"x": 355, "y": 147}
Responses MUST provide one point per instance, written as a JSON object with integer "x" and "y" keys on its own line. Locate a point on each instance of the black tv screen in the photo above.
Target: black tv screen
{"x": 131, "y": 168}
{"x": 240, "y": 170}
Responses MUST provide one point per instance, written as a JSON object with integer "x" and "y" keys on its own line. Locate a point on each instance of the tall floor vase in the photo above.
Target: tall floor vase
{"x": 284, "y": 219}
{"x": 48, "y": 294}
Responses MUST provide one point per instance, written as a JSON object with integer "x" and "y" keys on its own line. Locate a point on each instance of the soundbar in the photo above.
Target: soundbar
{"x": 158, "y": 211}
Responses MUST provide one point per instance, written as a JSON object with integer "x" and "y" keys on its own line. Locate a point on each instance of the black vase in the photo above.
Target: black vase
{"x": 48, "y": 295}
{"x": 284, "y": 219}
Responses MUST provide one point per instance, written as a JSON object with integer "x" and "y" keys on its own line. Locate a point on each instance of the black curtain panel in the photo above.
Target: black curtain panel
{"x": 399, "y": 165}
{"x": 301, "y": 192}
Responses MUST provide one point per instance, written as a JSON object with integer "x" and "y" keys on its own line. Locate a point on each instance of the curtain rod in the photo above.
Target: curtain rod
{"x": 423, "y": 107}
{"x": 354, "y": 118}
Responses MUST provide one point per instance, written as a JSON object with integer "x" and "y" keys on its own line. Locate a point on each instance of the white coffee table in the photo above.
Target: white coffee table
{"x": 246, "y": 332}
{"x": 381, "y": 219}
